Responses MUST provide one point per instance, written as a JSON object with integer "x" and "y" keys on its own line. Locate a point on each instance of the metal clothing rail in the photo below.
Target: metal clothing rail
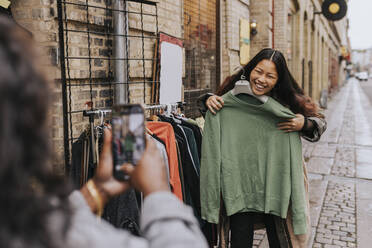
{"x": 98, "y": 112}
{"x": 165, "y": 106}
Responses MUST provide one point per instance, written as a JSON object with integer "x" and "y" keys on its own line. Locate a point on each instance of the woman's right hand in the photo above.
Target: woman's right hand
{"x": 214, "y": 103}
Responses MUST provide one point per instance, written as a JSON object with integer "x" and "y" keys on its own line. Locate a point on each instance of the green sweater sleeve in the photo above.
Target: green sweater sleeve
{"x": 298, "y": 200}
{"x": 210, "y": 168}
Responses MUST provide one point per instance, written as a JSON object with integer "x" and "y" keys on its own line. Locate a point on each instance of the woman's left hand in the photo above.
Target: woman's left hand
{"x": 292, "y": 125}
{"x": 104, "y": 179}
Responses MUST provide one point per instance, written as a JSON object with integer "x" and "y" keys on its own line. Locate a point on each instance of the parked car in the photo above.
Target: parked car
{"x": 362, "y": 76}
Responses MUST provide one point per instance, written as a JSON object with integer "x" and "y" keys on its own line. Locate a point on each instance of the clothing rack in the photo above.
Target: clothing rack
{"x": 99, "y": 112}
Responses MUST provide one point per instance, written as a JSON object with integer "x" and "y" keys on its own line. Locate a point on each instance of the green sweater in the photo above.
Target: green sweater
{"x": 254, "y": 166}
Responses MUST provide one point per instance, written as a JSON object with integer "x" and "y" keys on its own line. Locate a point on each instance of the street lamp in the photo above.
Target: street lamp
{"x": 253, "y": 27}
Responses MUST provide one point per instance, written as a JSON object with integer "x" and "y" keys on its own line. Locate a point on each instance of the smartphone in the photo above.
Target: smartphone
{"x": 129, "y": 140}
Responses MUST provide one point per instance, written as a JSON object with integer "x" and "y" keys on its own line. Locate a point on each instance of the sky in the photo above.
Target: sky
{"x": 360, "y": 16}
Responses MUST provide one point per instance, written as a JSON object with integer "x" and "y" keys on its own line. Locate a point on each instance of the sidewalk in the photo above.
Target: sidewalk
{"x": 340, "y": 173}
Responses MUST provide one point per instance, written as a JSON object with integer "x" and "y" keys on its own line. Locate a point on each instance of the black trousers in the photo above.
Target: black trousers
{"x": 241, "y": 226}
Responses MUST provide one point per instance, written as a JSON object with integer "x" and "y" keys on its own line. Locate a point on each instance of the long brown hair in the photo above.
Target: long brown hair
{"x": 286, "y": 90}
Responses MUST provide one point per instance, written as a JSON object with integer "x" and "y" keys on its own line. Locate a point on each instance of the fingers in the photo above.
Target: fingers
{"x": 220, "y": 99}
{"x": 286, "y": 124}
{"x": 289, "y": 126}
{"x": 127, "y": 168}
{"x": 215, "y": 103}
{"x": 211, "y": 109}
{"x": 107, "y": 148}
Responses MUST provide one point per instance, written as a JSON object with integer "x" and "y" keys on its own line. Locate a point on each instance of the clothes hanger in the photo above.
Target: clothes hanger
{"x": 99, "y": 128}
{"x": 149, "y": 131}
{"x": 244, "y": 87}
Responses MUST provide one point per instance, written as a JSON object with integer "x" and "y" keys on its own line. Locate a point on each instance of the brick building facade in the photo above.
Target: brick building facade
{"x": 310, "y": 42}
{"x": 209, "y": 30}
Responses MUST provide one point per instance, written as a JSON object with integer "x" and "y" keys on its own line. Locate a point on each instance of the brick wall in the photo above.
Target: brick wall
{"x": 261, "y": 11}
{"x": 40, "y": 17}
{"x": 233, "y": 11}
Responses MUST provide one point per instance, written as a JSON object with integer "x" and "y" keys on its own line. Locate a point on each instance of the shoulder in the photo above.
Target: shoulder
{"x": 279, "y": 109}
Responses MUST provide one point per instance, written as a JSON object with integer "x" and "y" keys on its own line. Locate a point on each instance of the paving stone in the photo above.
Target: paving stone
{"x": 258, "y": 237}
{"x": 332, "y": 246}
{"x": 324, "y": 151}
{"x": 364, "y": 214}
{"x": 320, "y": 165}
{"x": 350, "y": 225}
{"x": 363, "y": 156}
{"x": 341, "y": 233}
{"x": 364, "y": 170}
{"x": 317, "y": 189}
{"x": 351, "y": 244}
{"x": 340, "y": 243}
{"x": 337, "y": 219}
{"x": 323, "y": 240}
{"x": 348, "y": 229}
{"x": 350, "y": 239}
{"x": 339, "y": 224}
{"x": 324, "y": 231}
{"x": 333, "y": 227}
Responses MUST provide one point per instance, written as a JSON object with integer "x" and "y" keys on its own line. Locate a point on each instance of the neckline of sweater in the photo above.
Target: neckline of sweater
{"x": 235, "y": 98}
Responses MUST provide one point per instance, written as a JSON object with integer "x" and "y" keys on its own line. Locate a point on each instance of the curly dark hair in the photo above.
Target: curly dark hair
{"x": 29, "y": 189}
{"x": 286, "y": 91}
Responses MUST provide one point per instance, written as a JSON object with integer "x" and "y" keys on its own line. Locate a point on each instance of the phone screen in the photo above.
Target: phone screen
{"x": 129, "y": 141}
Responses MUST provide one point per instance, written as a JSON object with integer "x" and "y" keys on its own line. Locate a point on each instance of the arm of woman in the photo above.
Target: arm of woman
{"x": 209, "y": 102}
{"x": 317, "y": 126}
{"x": 310, "y": 128}
{"x": 165, "y": 222}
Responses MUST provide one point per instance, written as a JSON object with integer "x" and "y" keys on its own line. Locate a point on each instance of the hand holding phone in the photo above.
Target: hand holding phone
{"x": 129, "y": 140}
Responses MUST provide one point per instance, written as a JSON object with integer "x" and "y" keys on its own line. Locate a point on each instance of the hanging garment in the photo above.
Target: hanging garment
{"x": 180, "y": 169}
{"x": 256, "y": 166}
{"x": 165, "y": 132}
{"x": 196, "y": 131}
{"x": 185, "y": 165}
{"x": 82, "y": 167}
{"x": 163, "y": 152}
{"x": 190, "y": 167}
{"x": 191, "y": 142}
{"x": 123, "y": 212}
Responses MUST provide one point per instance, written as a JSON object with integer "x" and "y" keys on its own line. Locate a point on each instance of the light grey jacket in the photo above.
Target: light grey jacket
{"x": 165, "y": 222}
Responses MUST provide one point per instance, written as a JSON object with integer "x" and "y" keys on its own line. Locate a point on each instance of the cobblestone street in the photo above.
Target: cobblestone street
{"x": 340, "y": 173}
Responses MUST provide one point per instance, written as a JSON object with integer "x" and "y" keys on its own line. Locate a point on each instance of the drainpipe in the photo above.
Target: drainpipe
{"x": 273, "y": 23}
{"x": 121, "y": 49}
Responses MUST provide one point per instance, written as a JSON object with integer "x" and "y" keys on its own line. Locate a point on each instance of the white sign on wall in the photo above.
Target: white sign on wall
{"x": 170, "y": 73}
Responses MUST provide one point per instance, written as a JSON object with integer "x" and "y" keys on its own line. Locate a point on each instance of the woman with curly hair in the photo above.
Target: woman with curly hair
{"x": 37, "y": 207}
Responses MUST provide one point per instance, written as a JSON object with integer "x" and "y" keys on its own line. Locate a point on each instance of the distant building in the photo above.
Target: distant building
{"x": 362, "y": 59}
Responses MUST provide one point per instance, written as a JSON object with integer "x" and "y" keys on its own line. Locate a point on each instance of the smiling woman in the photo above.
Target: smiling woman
{"x": 269, "y": 75}
{"x": 242, "y": 139}
{"x": 263, "y": 77}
